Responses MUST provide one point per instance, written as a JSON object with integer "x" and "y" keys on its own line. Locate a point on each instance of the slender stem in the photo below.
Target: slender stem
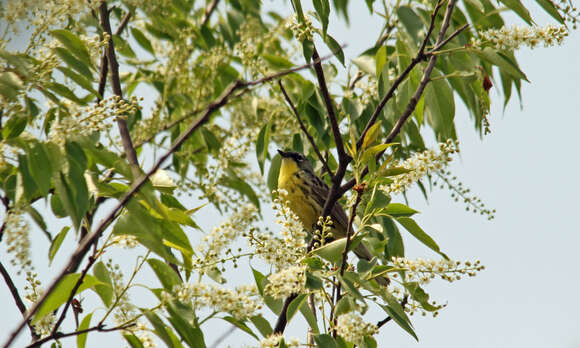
{"x": 304, "y": 130}
{"x": 282, "y": 321}
{"x": 116, "y": 85}
{"x": 387, "y": 319}
{"x": 416, "y": 96}
{"x": 17, "y": 298}
{"x": 402, "y": 76}
{"x": 208, "y": 11}
{"x": 342, "y": 156}
{"x": 99, "y": 328}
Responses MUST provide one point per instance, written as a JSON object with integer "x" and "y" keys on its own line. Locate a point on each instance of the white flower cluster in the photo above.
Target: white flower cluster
{"x": 421, "y": 164}
{"x": 241, "y": 302}
{"x": 274, "y": 340}
{"x": 302, "y": 31}
{"x": 288, "y": 249}
{"x": 94, "y": 118}
{"x": 514, "y": 37}
{"x": 221, "y": 237}
{"x": 125, "y": 241}
{"x": 423, "y": 271}
{"x": 352, "y": 328}
{"x": 291, "y": 280}
{"x": 33, "y": 292}
{"x": 16, "y": 232}
{"x": 124, "y": 308}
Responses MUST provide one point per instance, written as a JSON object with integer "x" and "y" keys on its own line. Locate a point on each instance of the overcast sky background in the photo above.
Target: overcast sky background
{"x": 527, "y": 169}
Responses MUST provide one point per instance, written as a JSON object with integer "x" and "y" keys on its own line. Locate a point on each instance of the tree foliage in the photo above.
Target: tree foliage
{"x": 129, "y": 121}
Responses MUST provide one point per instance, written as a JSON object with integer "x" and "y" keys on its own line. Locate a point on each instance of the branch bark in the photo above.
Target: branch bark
{"x": 99, "y": 328}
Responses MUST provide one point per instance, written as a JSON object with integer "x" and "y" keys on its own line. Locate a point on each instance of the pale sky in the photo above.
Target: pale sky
{"x": 527, "y": 169}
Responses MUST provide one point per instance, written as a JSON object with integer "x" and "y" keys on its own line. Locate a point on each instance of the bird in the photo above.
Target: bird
{"x": 306, "y": 195}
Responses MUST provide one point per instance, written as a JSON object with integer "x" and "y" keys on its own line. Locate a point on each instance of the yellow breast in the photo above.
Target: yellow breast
{"x": 298, "y": 202}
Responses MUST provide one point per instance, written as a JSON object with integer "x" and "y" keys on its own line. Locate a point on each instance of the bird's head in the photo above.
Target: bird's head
{"x": 293, "y": 162}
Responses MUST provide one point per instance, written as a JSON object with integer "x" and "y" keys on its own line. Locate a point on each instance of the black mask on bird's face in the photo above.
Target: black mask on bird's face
{"x": 301, "y": 161}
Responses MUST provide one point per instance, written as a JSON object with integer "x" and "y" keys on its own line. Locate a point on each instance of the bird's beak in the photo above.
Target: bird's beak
{"x": 283, "y": 154}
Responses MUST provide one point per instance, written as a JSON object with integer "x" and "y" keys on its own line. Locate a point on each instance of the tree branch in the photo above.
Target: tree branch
{"x": 402, "y": 76}
{"x": 304, "y": 130}
{"x": 116, "y": 85}
{"x": 418, "y": 92}
{"x": 17, "y": 298}
{"x": 342, "y": 156}
{"x": 86, "y": 242}
{"x": 57, "y": 336}
{"x": 208, "y": 11}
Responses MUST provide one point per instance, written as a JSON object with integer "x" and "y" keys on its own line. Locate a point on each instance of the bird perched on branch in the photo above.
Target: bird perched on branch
{"x": 306, "y": 195}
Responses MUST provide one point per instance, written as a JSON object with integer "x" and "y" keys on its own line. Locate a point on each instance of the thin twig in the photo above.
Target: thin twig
{"x": 282, "y": 321}
{"x": 342, "y": 156}
{"x": 86, "y": 243}
{"x": 402, "y": 76}
{"x": 451, "y": 37}
{"x": 416, "y": 96}
{"x": 57, "y": 336}
{"x": 304, "y": 130}
{"x": 17, "y": 298}
{"x": 116, "y": 85}
{"x": 387, "y": 319}
{"x": 208, "y": 11}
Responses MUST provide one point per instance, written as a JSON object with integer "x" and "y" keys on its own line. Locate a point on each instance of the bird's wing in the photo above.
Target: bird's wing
{"x": 320, "y": 193}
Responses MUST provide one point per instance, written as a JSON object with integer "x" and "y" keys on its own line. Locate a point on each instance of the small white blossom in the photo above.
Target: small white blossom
{"x": 352, "y": 328}
{"x": 274, "y": 340}
{"x": 289, "y": 281}
{"x": 241, "y": 303}
{"x": 516, "y": 36}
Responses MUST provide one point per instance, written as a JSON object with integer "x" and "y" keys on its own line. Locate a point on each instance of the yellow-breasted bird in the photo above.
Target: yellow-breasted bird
{"x": 307, "y": 194}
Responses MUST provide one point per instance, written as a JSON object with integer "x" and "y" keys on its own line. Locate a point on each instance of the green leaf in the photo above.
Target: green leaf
{"x": 85, "y": 323}
{"x": 476, "y": 4}
{"x": 517, "y": 7}
{"x": 309, "y": 316}
{"x": 366, "y": 63}
{"x": 350, "y": 288}
{"x": 15, "y": 125}
{"x": 123, "y": 47}
{"x": 142, "y": 40}
{"x": 262, "y": 325}
{"x": 56, "y": 242}
{"x": 193, "y": 336}
{"x": 322, "y": 8}
{"x": 82, "y": 67}
{"x": 169, "y": 279}
{"x": 295, "y": 305}
{"x": 104, "y": 290}
{"x": 345, "y": 305}
{"x": 61, "y": 293}
{"x": 73, "y": 43}
{"x": 313, "y": 282}
{"x": 440, "y": 107}
{"x": 232, "y": 181}
{"x": 240, "y": 325}
{"x": 334, "y": 47}
{"x": 411, "y": 21}
{"x": 332, "y": 251}
{"x": 324, "y": 341}
{"x": 262, "y": 145}
{"x": 492, "y": 56}
{"x": 549, "y": 7}
{"x": 133, "y": 341}
{"x": 40, "y": 167}
{"x": 417, "y": 232}
{"x": 273, "y": 172}
{"x": 10, "y": 84}
{"x": 78, "y": 79}
{"x": 399, "y": 209}
{"x": 396, "y": 311}
{"x": 64, "y": 91}
{"x": 160, "y": 327}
